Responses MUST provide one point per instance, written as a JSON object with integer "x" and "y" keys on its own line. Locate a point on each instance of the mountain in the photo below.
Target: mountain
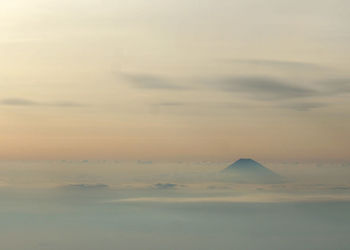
{"x": 248, "y": 170}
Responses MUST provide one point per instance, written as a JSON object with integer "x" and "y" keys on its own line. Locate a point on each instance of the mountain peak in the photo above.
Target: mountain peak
{"x": 251, "y": 169}
{"x": 246, "y": 163}
{"x": 245, "y": 160}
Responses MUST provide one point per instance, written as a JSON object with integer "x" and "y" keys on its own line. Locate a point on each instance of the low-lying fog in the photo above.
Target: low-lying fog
{"x": 81, "y": 205}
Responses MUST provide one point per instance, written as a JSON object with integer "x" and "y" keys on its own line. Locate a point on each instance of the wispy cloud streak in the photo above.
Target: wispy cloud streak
{"x": 293, "y": 65}
{"x": 261, "y": 87}
{"x": 147, "y": 81}
{"x": 27, "y": 103}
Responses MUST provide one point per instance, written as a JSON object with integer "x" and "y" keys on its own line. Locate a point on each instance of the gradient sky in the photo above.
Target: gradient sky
{"x": 166, "y": 79}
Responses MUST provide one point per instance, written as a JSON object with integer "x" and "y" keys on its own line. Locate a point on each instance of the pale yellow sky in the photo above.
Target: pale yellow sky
{"x": 175, "y": 79}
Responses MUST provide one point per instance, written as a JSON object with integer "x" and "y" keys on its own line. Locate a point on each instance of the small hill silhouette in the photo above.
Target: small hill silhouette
{"x": 248, "y": 170}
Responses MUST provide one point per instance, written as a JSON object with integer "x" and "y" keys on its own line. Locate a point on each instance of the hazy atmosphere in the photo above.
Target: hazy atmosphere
{"x": 179, "y": 125}
{"x": 175, "y": 79}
